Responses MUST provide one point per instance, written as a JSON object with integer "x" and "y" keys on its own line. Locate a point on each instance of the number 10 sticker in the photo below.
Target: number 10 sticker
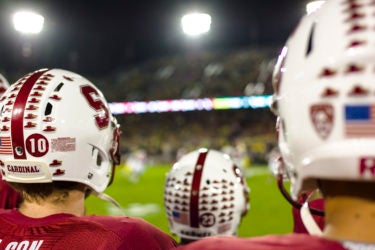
{"x": 37, "y": 145}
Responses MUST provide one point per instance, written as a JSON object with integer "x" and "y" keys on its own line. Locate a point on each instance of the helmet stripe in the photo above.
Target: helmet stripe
{"x": 18, "y": 141}
{"x": 195, "y": 186}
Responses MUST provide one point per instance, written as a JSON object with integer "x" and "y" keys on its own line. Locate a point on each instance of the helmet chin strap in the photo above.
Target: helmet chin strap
{"x": 308, "y": 220}
{"x": 280, "y": 184}
{"x": 108, "y": 198}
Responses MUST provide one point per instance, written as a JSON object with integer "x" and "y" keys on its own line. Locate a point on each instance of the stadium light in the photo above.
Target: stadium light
{"x": 195, "y": 24}
{"x": 27, "y": 22}
{"x": 313, "y": 6}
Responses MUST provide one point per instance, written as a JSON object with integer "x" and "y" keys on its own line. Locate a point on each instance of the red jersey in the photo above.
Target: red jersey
{"x": 271, "y": 242}
{"x": 9, "y": 198}
{"x": 66, "y": 231}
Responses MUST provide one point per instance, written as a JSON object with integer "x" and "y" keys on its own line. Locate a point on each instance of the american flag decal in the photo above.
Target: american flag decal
{"x": 5, "y": 145}
{"x": 360, "y": 120}
{"x": 180, "y": 217}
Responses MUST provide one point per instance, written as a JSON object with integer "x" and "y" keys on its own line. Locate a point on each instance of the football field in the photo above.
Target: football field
{"x": 269, "y": 212}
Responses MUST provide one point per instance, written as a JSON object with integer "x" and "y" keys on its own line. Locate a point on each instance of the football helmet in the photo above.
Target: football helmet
{"x": 56, "y": 126}
{"x": 324, "y": 96}
{"x": 205, "y": 194}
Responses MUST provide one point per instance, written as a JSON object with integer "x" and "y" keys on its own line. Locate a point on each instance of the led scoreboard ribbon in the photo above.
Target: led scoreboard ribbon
{"x": 183, "y": 105}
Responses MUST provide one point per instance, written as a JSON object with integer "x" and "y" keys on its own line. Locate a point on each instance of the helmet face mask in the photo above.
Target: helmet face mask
{"x": 205, "y": 194}
{"x": 324, "y": 97}
{"x": 56, "y": 126}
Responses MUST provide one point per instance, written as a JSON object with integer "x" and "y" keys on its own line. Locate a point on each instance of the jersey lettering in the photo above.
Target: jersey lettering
{"x": 24, "y": 245}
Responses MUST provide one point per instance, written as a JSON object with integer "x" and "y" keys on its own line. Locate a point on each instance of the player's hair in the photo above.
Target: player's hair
{"x": 40, "y": 191}
{"x": 363, "y": 189}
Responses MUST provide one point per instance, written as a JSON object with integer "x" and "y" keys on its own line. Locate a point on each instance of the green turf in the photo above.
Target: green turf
{"x": 269, "y": 212}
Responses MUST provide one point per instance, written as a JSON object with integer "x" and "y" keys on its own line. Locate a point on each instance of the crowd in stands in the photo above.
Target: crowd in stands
{"x": 164, "y": 135}
{"x": 198, "y": 75}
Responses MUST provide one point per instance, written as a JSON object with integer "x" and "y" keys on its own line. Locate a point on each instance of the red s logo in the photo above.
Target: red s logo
{"x": 93, "y": 98}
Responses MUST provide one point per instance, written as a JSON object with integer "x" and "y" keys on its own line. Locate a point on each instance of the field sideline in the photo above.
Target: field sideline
{"x": 269, "y": 212}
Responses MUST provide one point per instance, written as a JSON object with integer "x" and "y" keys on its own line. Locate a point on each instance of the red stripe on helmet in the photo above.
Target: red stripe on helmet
{"x": 194, "y": 192}
{"x": 18, "y": 114}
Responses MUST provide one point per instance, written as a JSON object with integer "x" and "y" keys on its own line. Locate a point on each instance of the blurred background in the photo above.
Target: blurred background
{"x": 142, "y": 51}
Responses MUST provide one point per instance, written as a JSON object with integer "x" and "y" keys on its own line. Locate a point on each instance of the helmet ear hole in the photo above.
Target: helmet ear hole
{"x": 97, "y": 157}
{"x": 57, "y": 89}
{"x": 310, "y": 41}
{"x": 99, "y": 160}
{"x": 48, "y": 109}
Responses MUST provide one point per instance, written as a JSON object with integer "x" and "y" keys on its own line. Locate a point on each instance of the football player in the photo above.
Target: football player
{"x": 9, "y": 198}
{"x": 324, "y": 96}
{"x": 205, "y": 194}
{"x": 63, "y": 146}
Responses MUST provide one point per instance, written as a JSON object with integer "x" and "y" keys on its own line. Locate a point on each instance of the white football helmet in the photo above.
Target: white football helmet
{"x": 56, "y": 126}
{"x": 324, "y": 96}
{"x": 205, "y": 194}
{"x": 4, "y": 84}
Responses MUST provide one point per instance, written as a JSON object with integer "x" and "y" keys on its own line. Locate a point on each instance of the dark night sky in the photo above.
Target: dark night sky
{"x": 97, "y": 37}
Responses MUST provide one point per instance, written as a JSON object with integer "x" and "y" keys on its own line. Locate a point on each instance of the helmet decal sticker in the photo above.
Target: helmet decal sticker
{"x": 329, "y": 92}
{"x": 49, "y": 129}
{"x": 356, "y": 28}
{"x": 322, "y": 117}
{"x": 5, "y": 128}
{"x": 27, "y": 168}
{"x": 37, "y": 145}
{"x": 327, "y": 72}
{"x": 55, "y": 163}
{"x": 354, "y": 68}
{"x": 55, "y": 97}
{"x": 358, "y": 91}
{"x": 367, "y": 166}
{"x": 48, "y": 119}
{"x": 360, "y": 120}
{"x": 207, "y": 219}
{"x": 94, "y": 99}
{"x": 354, "y": 17}
{"x": 5, "y": 145}
{"x": 63, "y": 144}
{"x": 59, "y": 172}
{"x": 30, "y": 125}
{"x": 356, "y": 43}
{"x": 20, "y": 102}
{"x": 36, "y": 93}
{"x": 180, "y": 217}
